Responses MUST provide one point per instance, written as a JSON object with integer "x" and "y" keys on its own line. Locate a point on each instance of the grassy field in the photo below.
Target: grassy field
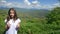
{"x": 49, "y": 24}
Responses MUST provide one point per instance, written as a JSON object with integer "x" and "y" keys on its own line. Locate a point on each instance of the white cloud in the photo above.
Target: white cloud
{"x": 27, "y": 2}
{"x": 8, "y": 4}
{"x": 57, "y": 4}
{"x": 50, "y": 6}
{"x": 3, "y": 1}
{"x": 34, "y": 4}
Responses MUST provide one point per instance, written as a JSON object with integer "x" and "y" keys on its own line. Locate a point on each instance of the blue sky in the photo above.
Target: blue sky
{"x": 29, "y": 4}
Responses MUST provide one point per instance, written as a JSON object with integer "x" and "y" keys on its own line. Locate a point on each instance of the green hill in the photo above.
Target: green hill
{"x": 32, "y": 21}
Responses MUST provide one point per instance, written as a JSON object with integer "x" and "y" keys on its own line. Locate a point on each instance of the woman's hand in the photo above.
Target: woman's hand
{"x": 18, "y": 26}
{"x": 7, "y": 26}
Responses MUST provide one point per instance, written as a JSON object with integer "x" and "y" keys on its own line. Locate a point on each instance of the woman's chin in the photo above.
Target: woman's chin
{"x": 12, "y": 16}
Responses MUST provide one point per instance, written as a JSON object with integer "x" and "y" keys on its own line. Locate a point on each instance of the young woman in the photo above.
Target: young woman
{"x": 12, "y": 22}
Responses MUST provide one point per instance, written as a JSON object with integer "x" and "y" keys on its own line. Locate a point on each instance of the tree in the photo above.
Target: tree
{"x": 54, "y": 16}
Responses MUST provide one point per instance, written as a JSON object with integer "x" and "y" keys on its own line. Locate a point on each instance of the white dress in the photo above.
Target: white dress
{"x": 13, "y": 24}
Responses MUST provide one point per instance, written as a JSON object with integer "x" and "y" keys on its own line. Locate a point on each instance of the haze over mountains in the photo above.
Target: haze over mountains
{"x": 29, "y": 12}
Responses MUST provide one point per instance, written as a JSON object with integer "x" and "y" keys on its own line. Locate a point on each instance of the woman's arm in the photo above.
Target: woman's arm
{"x": 7, "y": 26}
{"x": 18, "y": 26}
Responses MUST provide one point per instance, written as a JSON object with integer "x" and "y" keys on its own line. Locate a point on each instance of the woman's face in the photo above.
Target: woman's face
{"x": 12, "y": 13}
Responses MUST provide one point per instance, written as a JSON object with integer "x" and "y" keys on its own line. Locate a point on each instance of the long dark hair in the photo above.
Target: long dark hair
{"x": 9, "y": 16}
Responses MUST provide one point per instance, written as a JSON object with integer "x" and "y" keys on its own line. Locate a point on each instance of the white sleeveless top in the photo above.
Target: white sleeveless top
{"x": 13, "y": 25}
